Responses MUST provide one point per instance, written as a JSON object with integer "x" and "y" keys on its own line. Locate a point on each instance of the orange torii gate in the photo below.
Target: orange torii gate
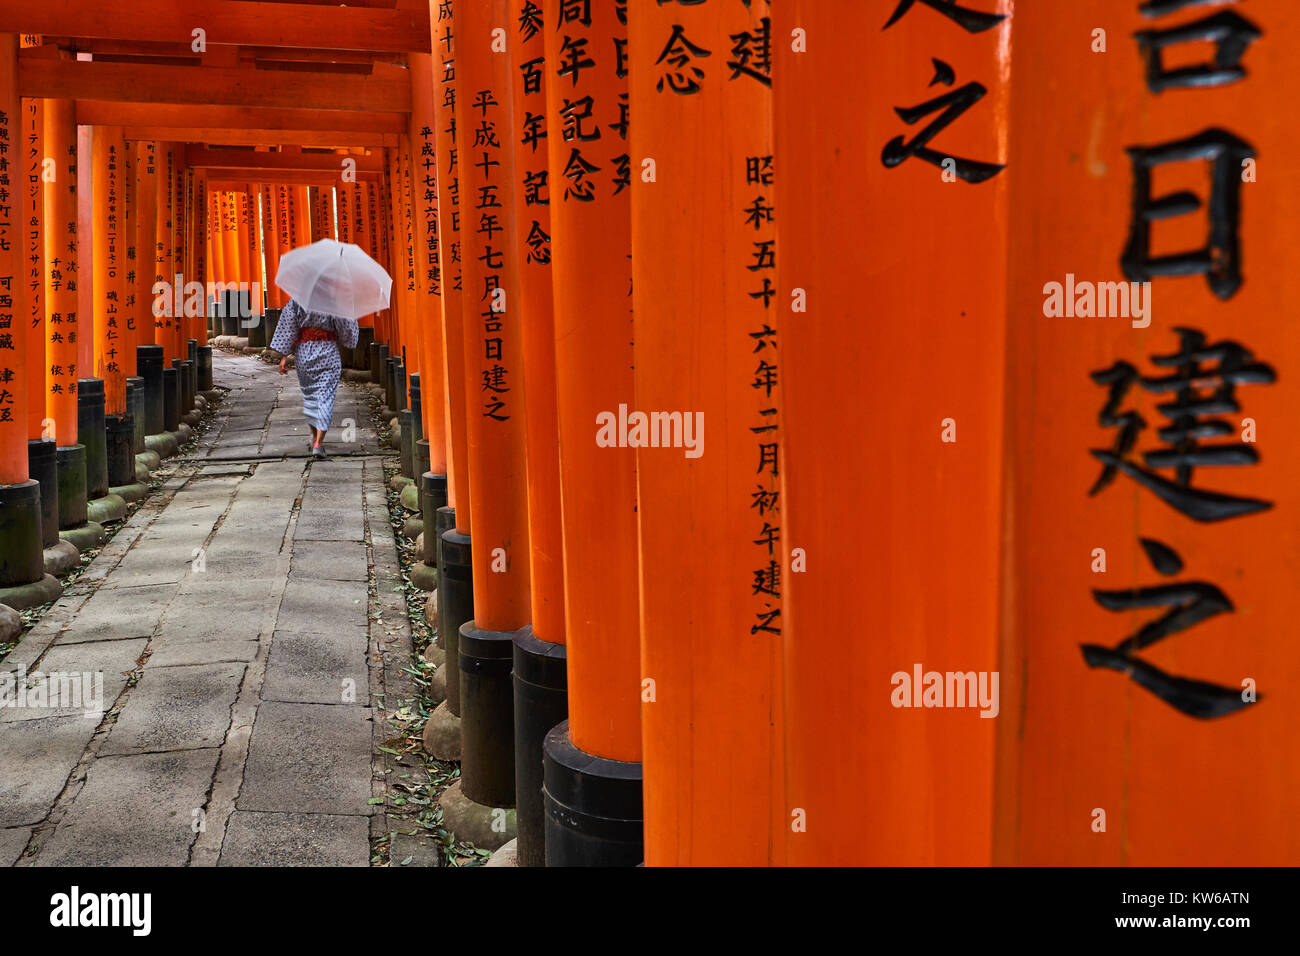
{"x": 592, "y": 764}
{"x": 540, "y": 679}
{"x": 704, "y": 240}
{"x": 495, "y": 414}
{"x": 430, "y": 400}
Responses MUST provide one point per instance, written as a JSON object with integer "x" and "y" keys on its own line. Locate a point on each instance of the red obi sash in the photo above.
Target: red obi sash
{"x": 314, "y": 335}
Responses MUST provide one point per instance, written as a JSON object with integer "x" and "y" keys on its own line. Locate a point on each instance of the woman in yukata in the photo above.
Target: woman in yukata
{"x": 313, "y": 338}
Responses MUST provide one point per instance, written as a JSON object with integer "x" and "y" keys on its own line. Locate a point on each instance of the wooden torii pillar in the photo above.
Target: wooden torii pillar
{"x": 704, "y": 259}
{"x": 42, "y": 460}
{"x": 541, "y": 698}
{"x": 22, "y": 567}
{"x": 1112, "y": 750}
{"x": 891, "y": 281}
{"x": 271, "y": 239}
{"x": 495, "y": 413}
{"x": 63, "y": 319}
{"x": 592, "y": 766}
{"x": 114, "y": 334}
{"x": 454, "y": 523}
{"x": 432, "y": 450}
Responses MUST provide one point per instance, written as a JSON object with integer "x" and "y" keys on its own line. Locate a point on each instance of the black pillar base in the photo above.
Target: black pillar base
{"x": 119, "y": 431}
{"x": 187, "y": 386}
{"x": 433, "y": 497}
{"x": 455, "y": 605}
{"x": 22, "y": 556}
{"x": 272, "y": 319}
{"x": 257, "y": 331}
{"x": 149, "y": 361}
{"x": 365, "y": 338}
{"x": 171, "y": 400}
{"x": 42, "y": 467}
{"x": 413, "y": 389}
{"x": 205, "y": 368}
{"x": 487, "y": 722}
{"x": 71, "y": 463}
{"x": 192, "y": 352}
{"x": 541, "y": 701}
{"x": 90, "y": 432}
{"x": 389, "y": 398}
{"x": 593, "y": 806}
{"x": 399, "y": 385}
{"x": 135, "y": 408}
{"x": 406, "y": 461}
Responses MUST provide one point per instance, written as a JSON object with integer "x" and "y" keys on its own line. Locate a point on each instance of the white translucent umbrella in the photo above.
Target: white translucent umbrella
{"x": 334, "y": 277}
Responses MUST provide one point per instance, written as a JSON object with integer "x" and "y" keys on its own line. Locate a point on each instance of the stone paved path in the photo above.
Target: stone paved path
{"x": 231, "y": 619}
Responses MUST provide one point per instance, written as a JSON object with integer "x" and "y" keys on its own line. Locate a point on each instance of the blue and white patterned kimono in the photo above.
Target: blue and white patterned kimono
{"x": 318, "y": 363}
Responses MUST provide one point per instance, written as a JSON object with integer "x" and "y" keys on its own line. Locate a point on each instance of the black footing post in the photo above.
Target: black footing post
{"x": 399, "y": 385}
{"x": 420, "y": 462}
{"x": 487, "y": 720}
{"x": 541, "y": 690}
{"x": 455, "y": 606}
{"x": 406, "y": 459}
{"x": 119, "y": 432}
{"x": 433, "y": 499}
{"x": 272, "y": 318}
{"x": 71, "y": 463}
{"x": 22, "y": 558}
{"x": 149, "y": 361}
{"x": 205, "y": 368}
{"x": 417, "y": 425}
{"x": 192, "y": 352}
{"x": 43, "y": 468}
{"x": 593, "y": 806}
{"x": 365, "y": 338}
{"x": 257, "y": 331}
{"x": 135, "y": 408}
{"x": 90, "y": 432}
{"x": 171, "y": 399}
{"x": 389, "y": 399}
{"x": 229, "y": 312}
{"x": 378, "y": 364}
{"x": 186, "y": 369}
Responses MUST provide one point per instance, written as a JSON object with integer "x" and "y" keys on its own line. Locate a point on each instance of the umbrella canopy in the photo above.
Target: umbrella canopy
{"x": 334, "y": 277}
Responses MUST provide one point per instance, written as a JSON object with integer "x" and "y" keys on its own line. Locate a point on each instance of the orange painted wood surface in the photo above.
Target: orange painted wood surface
{"x": 592, "y": 280}
{"x": 1074, "y": 740}
{"x": 901, "y": 328}
{"x": 528, "y": 123}
{"x": 450, "y": 211}
{"x": 30, "y": 158}
{"x": 62, "y": 277}
{"x": 13, "y": 315}
{"x": 428, "y": 304}
{"x": 495, "y": 411}
{"x": 708, "y": 325}
{"x": 153, "y": 330}
{"x": 108, "y": 234}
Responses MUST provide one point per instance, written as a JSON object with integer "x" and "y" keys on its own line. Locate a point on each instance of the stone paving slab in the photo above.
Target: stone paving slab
{"x": 120, "y": 614}
{"x": 295, "y": 839}
{"x": 12, "y": 843}
{"x": 134, "y": 811}
{"x": 327, "y": 667}
{"x": 308, "y": 758}
{"x": 202, "y": 652}
{"x": 177, "y": 708}
{"x": 45, "y": 751}
{"x": 107, "y": 663}
{"x": 331, "y": 561}
{"x": 212, "y": 611}
{"x": 318, "y": 606}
